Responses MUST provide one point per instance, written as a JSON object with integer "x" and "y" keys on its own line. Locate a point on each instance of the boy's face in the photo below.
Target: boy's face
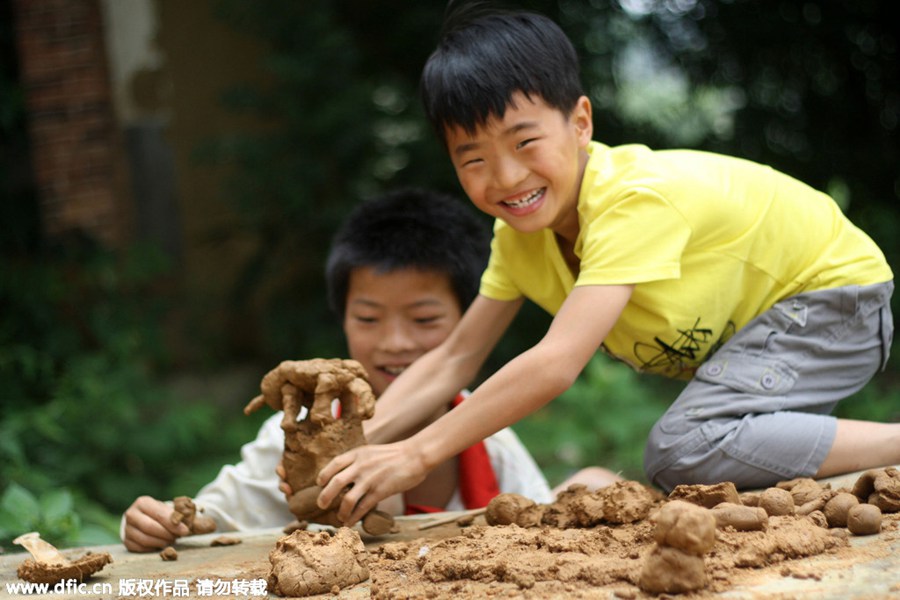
{"x": 394, "y": 318}
{"x": 526, "y": 168}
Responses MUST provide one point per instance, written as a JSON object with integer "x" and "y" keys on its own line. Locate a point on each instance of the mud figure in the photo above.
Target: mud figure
{"x": 325, "y": 402}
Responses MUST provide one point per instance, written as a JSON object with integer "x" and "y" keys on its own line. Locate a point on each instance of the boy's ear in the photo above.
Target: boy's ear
{"x": 582, "y": 119}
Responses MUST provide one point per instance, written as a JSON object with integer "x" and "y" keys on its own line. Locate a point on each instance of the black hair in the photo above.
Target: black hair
{"x": 409, "y": 228}
{"x": 485, "y": 56}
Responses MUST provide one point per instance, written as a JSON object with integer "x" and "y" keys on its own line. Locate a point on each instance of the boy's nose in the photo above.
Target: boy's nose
{"x": 396, "y": 338}
{"x": 509, "y": 173}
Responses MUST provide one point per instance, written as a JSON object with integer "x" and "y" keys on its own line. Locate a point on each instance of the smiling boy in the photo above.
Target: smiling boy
{"x": 742, "y": 280}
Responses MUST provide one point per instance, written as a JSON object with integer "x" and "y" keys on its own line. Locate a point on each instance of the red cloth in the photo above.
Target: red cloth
{"x": 475, "y": 477}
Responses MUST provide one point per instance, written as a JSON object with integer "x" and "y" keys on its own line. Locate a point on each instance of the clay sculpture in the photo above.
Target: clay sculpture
{"x": 325, "y": 402}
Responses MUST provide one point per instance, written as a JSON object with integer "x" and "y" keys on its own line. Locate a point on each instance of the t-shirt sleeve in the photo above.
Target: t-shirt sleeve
{"x": 495, "y": 281}
{"x": 246, "y": 495}
{"x": 640, "y": 238}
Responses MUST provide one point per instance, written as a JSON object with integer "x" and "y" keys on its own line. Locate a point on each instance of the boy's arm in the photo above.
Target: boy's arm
{"x": 440, "y": 374}
{"x": 521, "y": 387}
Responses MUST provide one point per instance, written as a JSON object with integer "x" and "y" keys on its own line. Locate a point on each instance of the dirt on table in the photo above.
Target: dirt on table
{"x": 626, "y": 540}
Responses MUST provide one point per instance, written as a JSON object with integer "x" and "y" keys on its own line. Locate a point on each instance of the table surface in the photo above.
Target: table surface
{"x": 202, "y": 571}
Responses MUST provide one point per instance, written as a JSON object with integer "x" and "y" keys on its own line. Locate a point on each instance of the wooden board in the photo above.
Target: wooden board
{"x": 872, "y": 572}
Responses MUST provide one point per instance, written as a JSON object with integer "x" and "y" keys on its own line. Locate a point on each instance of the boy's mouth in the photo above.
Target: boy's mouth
{"x": 393, "y": 370}
{"x": 526, "y": 201}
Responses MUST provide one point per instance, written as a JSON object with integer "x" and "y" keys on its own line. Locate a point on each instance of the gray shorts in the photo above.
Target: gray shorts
{"x": 758, "y": 411}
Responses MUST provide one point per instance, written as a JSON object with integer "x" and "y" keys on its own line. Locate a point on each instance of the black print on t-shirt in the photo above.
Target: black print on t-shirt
{"x": 691, "y": 347}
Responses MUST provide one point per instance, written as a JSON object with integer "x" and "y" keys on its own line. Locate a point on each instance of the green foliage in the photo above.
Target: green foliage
{"x": 603, "y": 419}
{"x": 84, "y": 407}
{"x": 54, "y": 514}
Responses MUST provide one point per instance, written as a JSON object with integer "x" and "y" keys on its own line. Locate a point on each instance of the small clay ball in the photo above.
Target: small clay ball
{"x": 864, "y": 519}
{"x": 504, "y": 509}
{"x": 836, "y": 509}
{"x": 169, "y": 553}
{"x": 685, "y": 526}
{"x": 777, "y": 502}
{"x": 670, "y": 571}
{"x": 377, "y": 522}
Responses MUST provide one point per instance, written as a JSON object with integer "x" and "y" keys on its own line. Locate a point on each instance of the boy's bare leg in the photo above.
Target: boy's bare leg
{"x": 860, "y": 445}
{"x": 592, "y": 477}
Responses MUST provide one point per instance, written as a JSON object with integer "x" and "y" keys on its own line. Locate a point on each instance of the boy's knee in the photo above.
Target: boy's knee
{"x": 669, "y": 458}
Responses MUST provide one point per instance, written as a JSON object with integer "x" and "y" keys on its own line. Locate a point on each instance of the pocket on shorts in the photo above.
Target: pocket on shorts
{"x": 754, "y": 375}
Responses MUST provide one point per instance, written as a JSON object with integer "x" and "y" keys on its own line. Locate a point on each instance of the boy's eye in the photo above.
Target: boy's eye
{"x": 363, "y": 319}
{"x": 426, "y": 320}
{"x": 524, "y": 143}
{"x": 472, "y": 161}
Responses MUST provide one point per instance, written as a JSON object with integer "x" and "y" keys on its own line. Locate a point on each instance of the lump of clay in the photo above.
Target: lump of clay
{"x": 803, "y": 489}
{"x": 619, "y": 503}
{"x": 306, "y": 391}
{"x": 740, "y": 517}
{"x": 169, "y": 553}
{"x": 864, "y": 519}
{"x": 837, "y": 508}
{"x": 185, "y": 511}
{"x": 684, "y": 532}
{"x": 817, "y": 503}
{"x": 880, "y": 487}
{"x": 48, "y": 565}
{"x": 306, "y": 563}
{"x": 706, "y": 495}
{"x": 626, "y": 502}
{"x": 685, "y": 526}
{"x": 670, "y": 571}
{"x": 509, "y": 508}
{"x": 777, "y": 502}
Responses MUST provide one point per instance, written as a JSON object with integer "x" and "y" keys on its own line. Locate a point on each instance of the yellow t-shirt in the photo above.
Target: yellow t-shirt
{"x": 709, "y": 241}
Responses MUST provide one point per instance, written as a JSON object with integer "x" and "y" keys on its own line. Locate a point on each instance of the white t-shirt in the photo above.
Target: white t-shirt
{"x": 246, "y": 495}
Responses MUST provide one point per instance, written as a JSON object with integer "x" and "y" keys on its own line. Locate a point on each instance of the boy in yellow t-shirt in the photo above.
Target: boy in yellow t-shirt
{"x": 750, "y": 284}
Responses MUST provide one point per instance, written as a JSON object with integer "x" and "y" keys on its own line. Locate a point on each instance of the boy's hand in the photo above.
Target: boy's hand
{"x": 283, "y": 486}
{"x": 369, "y": 474}
{"x": 148, "y": 526}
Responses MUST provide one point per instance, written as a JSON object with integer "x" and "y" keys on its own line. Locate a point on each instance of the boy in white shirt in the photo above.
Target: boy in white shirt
{"x": 400, "y": 273}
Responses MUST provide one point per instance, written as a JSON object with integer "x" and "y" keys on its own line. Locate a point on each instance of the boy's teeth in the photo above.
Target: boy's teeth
{"x": 394, "y": 370}
{"x": 526, "y": 200}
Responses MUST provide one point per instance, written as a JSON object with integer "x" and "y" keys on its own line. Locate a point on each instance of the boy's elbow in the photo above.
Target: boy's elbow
{"x": 559, "y": 373}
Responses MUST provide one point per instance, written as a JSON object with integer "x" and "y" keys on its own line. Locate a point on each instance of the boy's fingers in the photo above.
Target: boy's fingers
{"x": 336, "y": 465}
{"x": 285, "y": 489}
{"x": 154, "y": 518}
{"x": 334, "y": 478}
{"x": 360, "y": 507}
{"x": 283, "y": 486}
{"x": 138, "y": 541}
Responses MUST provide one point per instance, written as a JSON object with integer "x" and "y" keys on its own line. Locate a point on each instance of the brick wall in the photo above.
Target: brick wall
{"x": 76, "y": 148}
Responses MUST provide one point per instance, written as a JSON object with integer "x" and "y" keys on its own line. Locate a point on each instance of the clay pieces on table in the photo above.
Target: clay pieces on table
{"x": 185, "y": 511}
{"x": 325, "y": 402}
{"x": 306, "y": 562}
{"x": 49, "y": 566}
